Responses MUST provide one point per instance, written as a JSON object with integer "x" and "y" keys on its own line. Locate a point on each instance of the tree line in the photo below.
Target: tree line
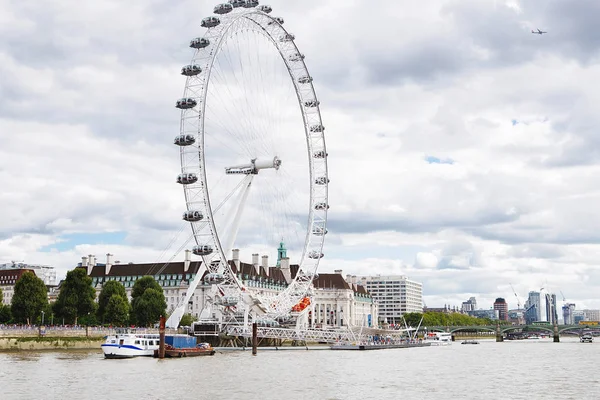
{"x": 444, "y": 319}
{"x": 76, "y": 302}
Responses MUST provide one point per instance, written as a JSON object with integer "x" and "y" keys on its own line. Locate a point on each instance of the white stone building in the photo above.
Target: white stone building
{"x": 396, "y": 295}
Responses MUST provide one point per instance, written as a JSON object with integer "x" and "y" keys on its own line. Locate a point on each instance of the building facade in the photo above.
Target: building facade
{"x": 335, "y": 302}
{"x": 491, "y": 314}
{"x": 502, "y": 307}
{"x": 44, "y": 272}
{"x": 591, "y": 315}
{"x": 469, "y": 305}
{"x": 395, "y": 294}
{"x": 568, "y": 314}
{"x": 8, "y": 279}
{"x": 541, "y": 307}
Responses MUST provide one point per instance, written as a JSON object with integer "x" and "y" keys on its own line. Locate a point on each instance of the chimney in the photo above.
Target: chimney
{"x": 255, "y": 263}
{"x": 337, "y": 271}
{"x": 90, "y": 264}
{"x": 187, "y": 261}
{"x": 109, "y": 263}
{"x": 354, "y": 281}
{"x": 265, "y": 264}
{"x": 235, "y": 257}
{"x": 348, "y": 278}
{"x": 285, "y": 269}
{"x": 84, "y": 263}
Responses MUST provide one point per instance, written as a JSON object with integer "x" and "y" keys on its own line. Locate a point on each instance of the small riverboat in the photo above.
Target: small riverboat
{"x": 586, "y": 338}
{"x": 129, "y": 343}
{"x": 439, "y": 338}
{"x": 469, "y": 341}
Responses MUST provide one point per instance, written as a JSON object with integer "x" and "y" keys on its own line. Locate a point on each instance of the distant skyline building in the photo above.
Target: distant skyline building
{"x": 491, "y": 314}
{"x": 591, "y": 315}
{"x": 568, "y": 314}
{"x": 502, "y": 307}
{"x": 396, "y": 295}
{"x": 541, "y": 307}
{"x": 469, "y": 305}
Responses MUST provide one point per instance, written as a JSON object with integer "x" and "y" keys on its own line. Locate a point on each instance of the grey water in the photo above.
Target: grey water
{"x": 510, "y": 370}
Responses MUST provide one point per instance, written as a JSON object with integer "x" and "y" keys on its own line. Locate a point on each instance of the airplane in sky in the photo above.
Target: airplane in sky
{"x": 539, "y": 32}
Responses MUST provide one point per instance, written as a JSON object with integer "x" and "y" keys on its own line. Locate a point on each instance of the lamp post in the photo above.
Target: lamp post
{"x": 42, "y": 318}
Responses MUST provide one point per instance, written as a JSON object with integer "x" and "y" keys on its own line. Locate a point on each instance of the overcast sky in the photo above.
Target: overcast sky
{"x": 464, "y": 150}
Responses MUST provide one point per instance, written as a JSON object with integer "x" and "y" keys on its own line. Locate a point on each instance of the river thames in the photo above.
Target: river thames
{"x": 512, "y": 370}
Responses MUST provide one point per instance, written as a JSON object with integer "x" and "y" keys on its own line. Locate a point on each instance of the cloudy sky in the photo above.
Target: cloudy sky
{"x": 462, "y": 147}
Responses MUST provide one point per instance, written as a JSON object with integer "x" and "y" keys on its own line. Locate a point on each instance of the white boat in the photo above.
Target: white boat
{"x": 439, "y": 338}
{"x": 586, "y": 338}
{"x": 128, "y": 343}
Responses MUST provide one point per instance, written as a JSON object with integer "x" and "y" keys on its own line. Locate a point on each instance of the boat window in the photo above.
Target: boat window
{"x": 137, "y": 342}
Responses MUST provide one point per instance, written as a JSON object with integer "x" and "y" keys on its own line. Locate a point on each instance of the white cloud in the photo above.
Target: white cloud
{"x": 87, "y": 118}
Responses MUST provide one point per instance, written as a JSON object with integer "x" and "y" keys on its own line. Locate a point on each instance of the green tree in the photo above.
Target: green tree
{"x": 117, "y": 310}
{"x": 5, "y": 314}
{"x": 30, "y": 298}
{"x": 187, "y": 320}
{"x": 76, "y": 297}
{"x": 147, "y": 301}
{"x": 109, "y": 289}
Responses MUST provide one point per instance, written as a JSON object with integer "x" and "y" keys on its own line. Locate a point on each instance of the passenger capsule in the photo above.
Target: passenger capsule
{"x": 276, "y": 20}
{"x": 317, "y": 128}
{"x": 202, "y": 250}
{"x": 237, "y": 3}
{"x": 265, "y": 9}
{"x": 192, "y": 216}
{"x": 187, "y": 179}
{"x": 311, "y": 103}
{"x": 210, "y": 22}
{"x": 320, "y": 154}
{"x": 223, "y": 8}
{"x": 191, "y": 70}
{"x": 186, "y": 103}
{"x": 184, "y": 140}
{"x": 315, "y": 255}
{"x": 229, "y": 301}
{"x": 296, "y": 57}
{"x": 199, "y": 43}
{"x": 322, "y": 180}
{"x": 305, "y": 79}
{"x": 251, "y": 3}
{"x": 288, "y": 37}
{"x": 318, "y": 231}
{"x": 214, "y": 279}
{"x": 321, "y": 206}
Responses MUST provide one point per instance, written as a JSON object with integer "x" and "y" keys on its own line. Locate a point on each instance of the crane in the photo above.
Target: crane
{"x": 518, "y": 301}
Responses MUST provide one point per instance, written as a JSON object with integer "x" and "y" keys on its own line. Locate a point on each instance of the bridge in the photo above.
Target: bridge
{"x": 500, "y": 330}
{"x": 505, "y": 328}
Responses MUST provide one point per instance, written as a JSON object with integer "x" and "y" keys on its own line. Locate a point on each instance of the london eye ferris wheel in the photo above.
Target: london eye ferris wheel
{"x": 253, "y": 154}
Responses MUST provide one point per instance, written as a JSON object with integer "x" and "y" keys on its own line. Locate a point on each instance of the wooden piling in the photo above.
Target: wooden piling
{"x": 161, "y": 343}
{"x": 254, "y": 338}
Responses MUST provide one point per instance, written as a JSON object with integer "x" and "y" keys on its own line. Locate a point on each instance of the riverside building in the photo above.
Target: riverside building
{"x": 335, "y": 302}
{"x": 44, "y": 272}
{"x": 396, "y": 295}
{"x": 8, "y": 279}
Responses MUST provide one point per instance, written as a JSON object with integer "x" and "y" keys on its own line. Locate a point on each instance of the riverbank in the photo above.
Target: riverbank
{"x": 50, "y": 343}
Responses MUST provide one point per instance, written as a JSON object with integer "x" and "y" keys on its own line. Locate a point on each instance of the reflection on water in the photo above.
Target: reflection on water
{"x": 515, "y": 370}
